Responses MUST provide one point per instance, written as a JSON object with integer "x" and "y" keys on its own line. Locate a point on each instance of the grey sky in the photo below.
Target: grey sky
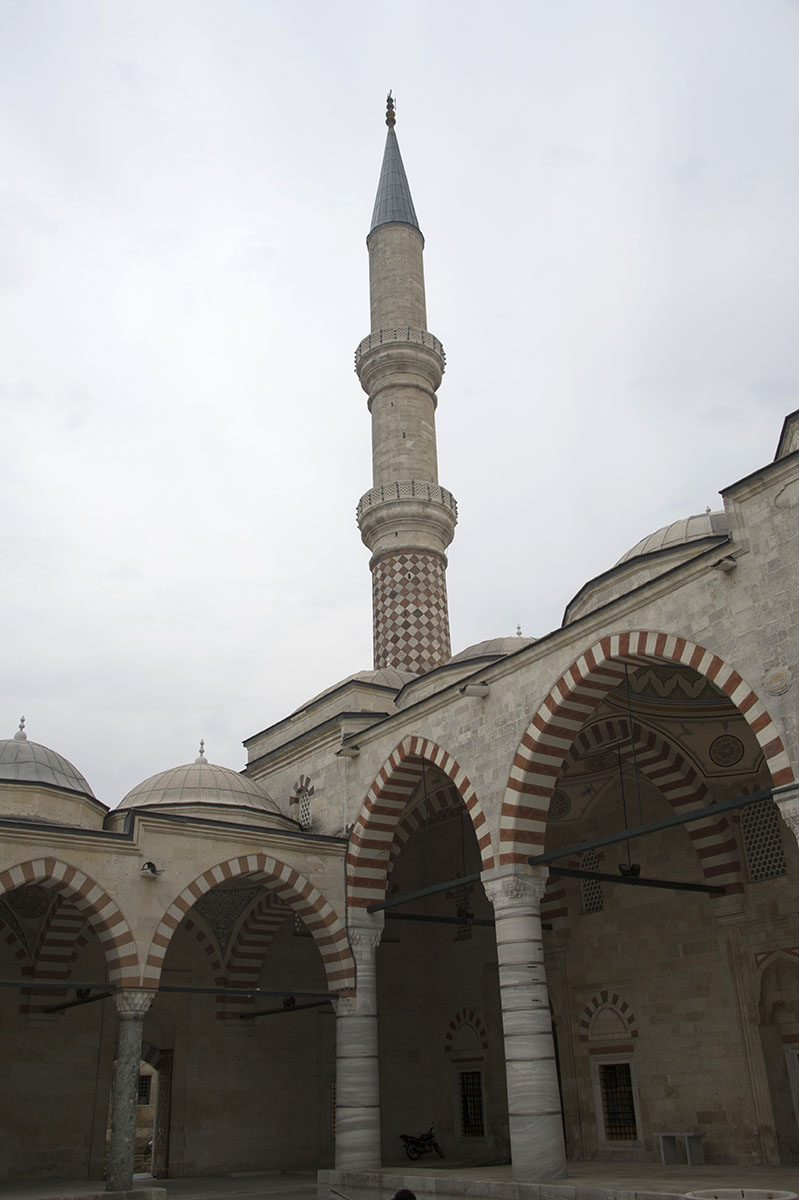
{"x": 609, "y": 193}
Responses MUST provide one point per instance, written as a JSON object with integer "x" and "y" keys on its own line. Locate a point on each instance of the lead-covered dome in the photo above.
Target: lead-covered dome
{"x": 22, "y": 761}
{"x": 200, "y": 785}
{"x": 679, "y": 533}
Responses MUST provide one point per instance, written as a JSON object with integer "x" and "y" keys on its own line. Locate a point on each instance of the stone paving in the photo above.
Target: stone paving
{"x": 586, "y": 1181}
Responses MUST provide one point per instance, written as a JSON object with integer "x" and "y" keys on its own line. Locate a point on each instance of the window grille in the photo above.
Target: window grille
{"x": 300, "y": 928}
{"x": 592, "y": 888}
{"x": 333, "y": 1108}
{"x": 305, "y": 808}
{"x": 762, "y": 838}
{"x": 145, "y": 1083}
{"x": 618, "y": 1102}
{"x": 472, "y": 1124}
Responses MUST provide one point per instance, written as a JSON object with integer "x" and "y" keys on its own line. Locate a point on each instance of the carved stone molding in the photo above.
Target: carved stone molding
{"x": 515, "y": 888}
{"x": 133, "y": 1003}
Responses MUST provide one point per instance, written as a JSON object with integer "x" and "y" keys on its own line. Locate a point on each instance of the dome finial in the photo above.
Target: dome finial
{"x": 21, "y": 735}
{"x": 391, "y": 120}
{"x": 201, "y": 756}
{"x": 518, "y": 630}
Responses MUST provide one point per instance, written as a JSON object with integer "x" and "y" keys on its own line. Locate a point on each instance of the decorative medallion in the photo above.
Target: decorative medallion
{"x": 559, "y": 805}
{"x": 778, "y": 681}
{"x": 602, "y": 761}
{"x": 726, "y": 750}
{"x": 28, "y": 901}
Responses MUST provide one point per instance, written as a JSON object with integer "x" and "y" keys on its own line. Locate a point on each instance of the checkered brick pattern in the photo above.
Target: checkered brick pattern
{"x": 410, "y": 615}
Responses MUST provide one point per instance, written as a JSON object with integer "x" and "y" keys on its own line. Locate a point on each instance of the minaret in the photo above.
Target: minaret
{"x": 406, "y": 519}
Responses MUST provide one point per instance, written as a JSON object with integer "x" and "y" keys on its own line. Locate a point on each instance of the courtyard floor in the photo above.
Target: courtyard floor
{"x": 584, "y": 1181}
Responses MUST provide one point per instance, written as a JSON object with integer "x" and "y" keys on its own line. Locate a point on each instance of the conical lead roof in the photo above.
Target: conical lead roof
{"x": 393, "y": 201}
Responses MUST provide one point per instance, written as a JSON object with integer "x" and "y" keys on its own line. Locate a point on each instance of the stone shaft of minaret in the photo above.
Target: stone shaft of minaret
{"x": 407, "y": 520}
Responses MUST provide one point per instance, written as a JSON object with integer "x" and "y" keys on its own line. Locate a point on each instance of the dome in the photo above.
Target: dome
{"x": 22, "y": 761}
{"x": 199, "y": 783}
{"x": 492, "y": 648}
{"x": 689, "y": 529}
{"x": 386, "y": 677}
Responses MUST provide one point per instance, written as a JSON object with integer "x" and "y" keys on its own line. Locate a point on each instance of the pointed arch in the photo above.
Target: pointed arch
{"x": 61, "y": 940}
{"x": 246, "y": 955}
{"x": 564, "y": 711}
{"x": 680, "y": 784}
{"x": 105, "y": 918}
{"x": 603, "y": 1001}
{"x": 441, "y": 800}
{"x": 373, "y": 833}
{"x": 297, "y": 892}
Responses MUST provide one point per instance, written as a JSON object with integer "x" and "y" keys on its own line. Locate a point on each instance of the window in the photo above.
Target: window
{"x": 145, "y": 1083}
{"x": 472, "y": 1124}
{"x": 762, "y": 838}
{"x": 616, "y": 1101}
{"x": 592, "y": 888}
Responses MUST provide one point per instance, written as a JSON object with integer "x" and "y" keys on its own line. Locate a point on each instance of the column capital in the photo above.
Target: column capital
{"x": 133, "y": 1003}
{"x": 516, "y": 887}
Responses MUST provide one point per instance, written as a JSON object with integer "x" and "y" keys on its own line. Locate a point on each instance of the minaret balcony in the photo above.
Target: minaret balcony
{"x": 387, "y": 353}
{"x": 410, "y": 512}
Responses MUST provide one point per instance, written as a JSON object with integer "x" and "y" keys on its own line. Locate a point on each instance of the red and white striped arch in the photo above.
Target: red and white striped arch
{"x": 245, "y": 958}
{"x": 111, "y": 928}
{"x": 372, "y": 836}
{"x": 564, "y": 712}
{"x": 440, "y": 800}
{"x": 63, "y": 936}
{"x": 292, "y": 888}
{"x": 680, "y": 784}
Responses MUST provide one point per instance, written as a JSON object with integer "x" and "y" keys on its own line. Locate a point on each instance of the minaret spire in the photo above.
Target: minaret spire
{"x": 406, "y": 519}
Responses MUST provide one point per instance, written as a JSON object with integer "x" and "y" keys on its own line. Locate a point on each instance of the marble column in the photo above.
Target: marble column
{"x": 357, "y": 1074}
{"x": 787, "y": 800}
{"x": 132, "y": 1005}
{"x": 536, "y": 1130}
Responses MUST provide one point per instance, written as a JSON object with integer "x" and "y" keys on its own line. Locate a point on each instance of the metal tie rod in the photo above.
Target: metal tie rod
{"x": 609, "y": 839}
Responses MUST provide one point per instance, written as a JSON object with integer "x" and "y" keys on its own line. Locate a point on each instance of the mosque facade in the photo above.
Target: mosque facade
{"x": 540, "y": 894}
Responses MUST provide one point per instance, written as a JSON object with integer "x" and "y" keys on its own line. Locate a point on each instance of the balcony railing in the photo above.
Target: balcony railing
{"x": 405, "y": 333}
{"x": 406, "y": 489}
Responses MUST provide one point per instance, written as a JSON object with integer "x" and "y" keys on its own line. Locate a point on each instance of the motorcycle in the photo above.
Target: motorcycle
{"x": 422, "y": 1143}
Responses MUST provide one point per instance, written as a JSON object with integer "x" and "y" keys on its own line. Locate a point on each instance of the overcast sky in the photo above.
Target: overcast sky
{"x": 609, "y": 193}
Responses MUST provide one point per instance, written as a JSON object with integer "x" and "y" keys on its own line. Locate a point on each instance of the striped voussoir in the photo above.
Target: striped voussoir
{"x": 571, "y": 702}
{"x": 679, "y": 783}
{"x": 291, "y": 888}
{"x": 369, "y": 853}
{"x": 63, "y": 936}
{"x": 604, "y": 1000}
{"x": 426, "y": 807}
{"x": 468, "y": 1017}
{"x": 245, "y": 958}
{"x": 111, "y": 928}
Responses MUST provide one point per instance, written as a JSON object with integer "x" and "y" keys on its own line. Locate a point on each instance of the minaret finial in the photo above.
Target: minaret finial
{"x": 21, "y": 735}
{"x": 201, "y": 756}
{"x": 391, "y": 120}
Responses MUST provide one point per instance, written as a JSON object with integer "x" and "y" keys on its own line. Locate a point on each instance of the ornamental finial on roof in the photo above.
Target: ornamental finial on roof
{"x": 21, "y": 735}
{"x": 201, "y": 756}
{"x": 391, "y": 120}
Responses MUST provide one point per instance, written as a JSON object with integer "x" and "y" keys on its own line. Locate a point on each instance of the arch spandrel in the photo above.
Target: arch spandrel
{"x": 113, "y": 931}
{"x": 293, "y": 888}
{"x": 372, "y": 837}
{"x": 575, "y": 696}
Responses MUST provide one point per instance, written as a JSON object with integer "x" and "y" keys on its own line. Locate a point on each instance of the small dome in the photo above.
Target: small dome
{"x": 22, "y": 761}
{"x": 492, "y": 648}
{"x": 200, "y": 783}
{"x": 387, "y": 677}
{"x": 689, "y": 529}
